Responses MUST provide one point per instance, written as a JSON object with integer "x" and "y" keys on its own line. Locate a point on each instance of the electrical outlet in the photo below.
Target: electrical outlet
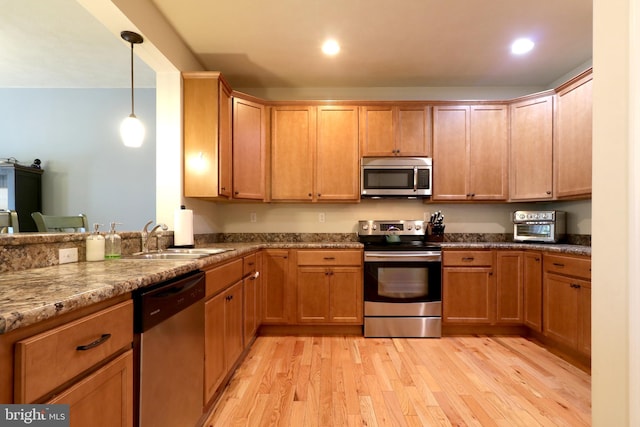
{"x": 321, "y": 217}
{"x": 253, "y": 217}
{"x": 67, "y": 255}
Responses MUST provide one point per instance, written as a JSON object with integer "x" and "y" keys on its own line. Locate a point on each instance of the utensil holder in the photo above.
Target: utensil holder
{"x": 435, "y": 233}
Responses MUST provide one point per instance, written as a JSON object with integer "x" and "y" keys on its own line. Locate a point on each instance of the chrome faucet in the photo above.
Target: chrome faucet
{"x": 145, "y": 234}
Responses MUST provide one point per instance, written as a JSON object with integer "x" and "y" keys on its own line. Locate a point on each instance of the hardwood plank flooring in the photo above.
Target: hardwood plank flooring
{"x": 452, "y": 381}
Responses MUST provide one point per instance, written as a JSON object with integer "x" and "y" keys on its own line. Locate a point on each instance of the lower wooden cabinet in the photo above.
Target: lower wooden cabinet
{"x": 278, "y": 300}
{"x": 532, "y": 284}
{"x": 468, "y": 288}
{"x": 567, "y": 301}
{"x": 509, "y": 287}
{"x": 251, "y": 291}
{"x": 329, "y": 286}
{"x": 104, "y": 398}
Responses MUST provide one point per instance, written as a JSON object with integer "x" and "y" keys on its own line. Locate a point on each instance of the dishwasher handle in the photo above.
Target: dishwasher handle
{"x": 166, "y": 299}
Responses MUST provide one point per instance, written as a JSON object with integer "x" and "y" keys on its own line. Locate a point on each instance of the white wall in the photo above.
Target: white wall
{"x": 86, "y": 168}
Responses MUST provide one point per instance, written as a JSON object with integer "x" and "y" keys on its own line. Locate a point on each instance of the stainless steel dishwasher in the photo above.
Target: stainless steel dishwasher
{"x": 169, "y": 342}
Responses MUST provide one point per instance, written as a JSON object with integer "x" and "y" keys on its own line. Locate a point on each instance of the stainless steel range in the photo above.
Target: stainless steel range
{"x": 402, "y": 279}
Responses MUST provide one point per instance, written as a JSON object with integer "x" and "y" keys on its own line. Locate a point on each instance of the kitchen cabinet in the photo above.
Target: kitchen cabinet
{"x": 249, "y": 149}
{"x": 293, "y": 142}
{"x": 224, "y": 332}
{"x": 207, "y": 127}
{"x": 104, "y": 398}
{"x": 468, "y": 287}
{"x": 251, "y": 289}
{"x": 531, "y": 154}
{"x": 470, "y": 152}
{"x": 572, "y": 138}
{"x": 338, "y": 159}
{"x": 567, "y": 301}
{"x": 532, "y": 284}
{"x": 278, "y": 299}
{"x": 21, "y": 191}
{"x": 509, "y": 287}
{"x": 329, "y": 287}
{"x": 395, "y": 130}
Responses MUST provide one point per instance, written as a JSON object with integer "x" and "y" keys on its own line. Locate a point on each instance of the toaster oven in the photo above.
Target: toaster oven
{"x": 539, "y": 226}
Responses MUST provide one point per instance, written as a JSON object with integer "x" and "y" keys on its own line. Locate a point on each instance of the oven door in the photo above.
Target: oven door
{"x": 402, "y": 277}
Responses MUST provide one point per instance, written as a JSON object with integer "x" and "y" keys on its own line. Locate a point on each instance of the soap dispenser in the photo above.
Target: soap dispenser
{"x": 113, "y": 243}
{"x": 95, "y": 245}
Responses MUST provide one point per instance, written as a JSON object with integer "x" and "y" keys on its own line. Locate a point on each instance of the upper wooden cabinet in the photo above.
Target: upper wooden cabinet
{"x": 470, "y": 152}
{"x": 531, "y": 165}
{"x": 249, "y": 149}
{"x": 314, "y": 153}
{"x": 293, "y": 142}
{"x": 395, "y": 130}
{"x": 207, "y": 135}
{"x": 572, "y": 139}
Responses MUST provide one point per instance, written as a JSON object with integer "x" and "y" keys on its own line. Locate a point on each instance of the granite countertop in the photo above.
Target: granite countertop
{"x": 34, "y": 295}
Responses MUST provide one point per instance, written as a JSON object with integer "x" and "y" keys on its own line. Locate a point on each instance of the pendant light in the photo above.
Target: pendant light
{"x": 132, "y": 130}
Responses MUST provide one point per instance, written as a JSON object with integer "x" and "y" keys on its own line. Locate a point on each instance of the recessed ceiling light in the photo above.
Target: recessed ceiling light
{"x": 521, "y": 46}
{"x": 330, "y": 47}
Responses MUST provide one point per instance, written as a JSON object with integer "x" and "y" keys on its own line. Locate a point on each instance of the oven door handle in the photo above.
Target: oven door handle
{"x": 401, "y": 257}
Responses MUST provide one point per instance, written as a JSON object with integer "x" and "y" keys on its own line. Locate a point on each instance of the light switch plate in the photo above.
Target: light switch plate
{"x": 68, "y": 255}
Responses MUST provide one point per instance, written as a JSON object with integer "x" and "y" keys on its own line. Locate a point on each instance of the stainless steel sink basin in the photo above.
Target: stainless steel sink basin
{"x": 178, "y": 253}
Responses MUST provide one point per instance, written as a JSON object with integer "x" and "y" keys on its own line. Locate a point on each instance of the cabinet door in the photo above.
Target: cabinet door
{"x": 450, "y": 145}
{"x": 248, "y": 149}
{"x": 250, "y": 296}
{"x": 345, "y": 294}
{"x": 413, "y": 131}
{"x": 531, "y": 166}
{"x": 278, "y": 298}
{"x": 468, "y": 295}
{"x": 377, "y": 131}
{"x": 313, "y": 294}
{"x": 487, "y": 167}
{"x": 572, "y": 149}
{"x": 214, "y": 352}
{"x": 201, "y": 115}
{"x": 233, "y": 325}
{"x": 104, "y": 398}
{"x": 293, "y": 141}
{"x": 584, "y": 328}
{"x": 533, "y": 290}
{"x": 509, "y": 287}
{"x": 337, "y": 154}
{"x": 561, "y": 307}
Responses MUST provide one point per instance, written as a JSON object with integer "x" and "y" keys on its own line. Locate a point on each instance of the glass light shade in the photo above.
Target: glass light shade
{"x": 132, "y": 131}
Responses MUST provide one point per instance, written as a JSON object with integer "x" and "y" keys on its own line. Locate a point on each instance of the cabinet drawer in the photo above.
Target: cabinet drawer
{"x": 48, "y": 360}
{"x": 222, "y": 277}
{"x": 249, "y": 264}
{"x": 467, "y": 258}
{"x": 333, "y": 257}
{"x": 568, "y": 266}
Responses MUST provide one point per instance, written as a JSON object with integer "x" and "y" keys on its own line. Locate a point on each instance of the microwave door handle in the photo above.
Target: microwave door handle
{"x": 415, "y": 178}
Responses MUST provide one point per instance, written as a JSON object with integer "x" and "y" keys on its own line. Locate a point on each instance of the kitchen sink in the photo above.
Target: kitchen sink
{"x": 178, "y": 253}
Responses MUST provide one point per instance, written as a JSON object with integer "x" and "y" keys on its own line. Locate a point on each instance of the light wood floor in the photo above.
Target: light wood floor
{"x": 453, "y": 381}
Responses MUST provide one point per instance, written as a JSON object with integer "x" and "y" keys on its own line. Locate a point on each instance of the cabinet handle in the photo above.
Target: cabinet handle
{"x": 548, "y": 192}
{"x": 319, "y": 195}
{"x": 575, "y": 286}
{"x": 250, "y": 263}
{"x": 537, "y": 259}
{"x": 229, "y": 297}
{"x": 329, "y": 258}
{"x": 310, "y": 195}
{"x": 103, "y": 338}
{"x": 223, "y": 188}
{"x": 468, "y": 258}
{"x": 558, "y": 264}
{"x": 236, "y": 193}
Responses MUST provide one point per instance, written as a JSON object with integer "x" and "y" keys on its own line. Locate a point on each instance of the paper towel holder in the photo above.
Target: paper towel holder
{"x": 183, "y": 228}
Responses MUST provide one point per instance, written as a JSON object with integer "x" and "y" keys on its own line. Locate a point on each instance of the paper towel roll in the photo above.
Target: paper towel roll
{"x": 183, "y": 227}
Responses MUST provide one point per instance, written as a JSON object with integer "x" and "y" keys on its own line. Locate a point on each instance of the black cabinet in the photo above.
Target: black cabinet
{"x": 21, "y": 186}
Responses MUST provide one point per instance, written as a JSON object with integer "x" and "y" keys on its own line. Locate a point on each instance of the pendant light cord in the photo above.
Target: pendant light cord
{"x": 132, "y": 110}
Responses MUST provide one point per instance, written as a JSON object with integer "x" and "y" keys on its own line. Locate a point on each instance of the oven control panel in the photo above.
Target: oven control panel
{"x": 386, "y": 227}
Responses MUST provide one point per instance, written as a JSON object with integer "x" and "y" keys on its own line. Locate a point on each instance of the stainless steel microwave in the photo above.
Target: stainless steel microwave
{"x": 396, "y": 177}
{"x": 539, "y": 226}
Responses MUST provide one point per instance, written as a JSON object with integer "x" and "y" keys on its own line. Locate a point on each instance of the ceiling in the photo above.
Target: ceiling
{"x": 276, "y": 43}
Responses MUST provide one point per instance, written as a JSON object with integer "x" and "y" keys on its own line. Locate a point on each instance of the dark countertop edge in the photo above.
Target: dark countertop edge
{"x": 167, "y": 270}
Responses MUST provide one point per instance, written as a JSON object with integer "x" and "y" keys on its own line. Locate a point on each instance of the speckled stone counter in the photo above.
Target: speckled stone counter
{"x": 34, "y": 295}
{"x": 546, "y": 247}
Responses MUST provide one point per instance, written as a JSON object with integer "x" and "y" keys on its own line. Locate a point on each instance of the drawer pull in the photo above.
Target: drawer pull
{"x": 329, "y": 258}
{"x": 575, "y": 286}
{"x": 103, "y": 338}
{"x": 468, "y": 258}
{"x": 558, "y": 264}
